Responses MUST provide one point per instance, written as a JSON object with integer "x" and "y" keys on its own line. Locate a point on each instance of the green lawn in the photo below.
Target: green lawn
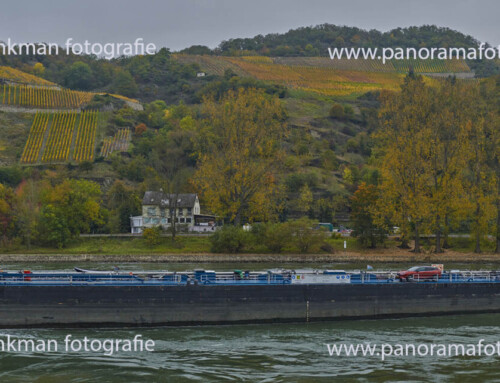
{"x": 122, "y": 246}
{"x": 201, "y": 244}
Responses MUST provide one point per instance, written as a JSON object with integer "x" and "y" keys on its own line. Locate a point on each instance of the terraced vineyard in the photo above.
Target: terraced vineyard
{"x": 85, "y": 137}
{"x": 42, "y": 97}
{"x": 323, "y": 75}
{"x": 60, "y": 136}
{"x": 431, "y": 66}
{"x": 216, "y": 65}
{"x": 399, "y": 66}
{"x": 119, "y": 142}
{"x": 52, "y": 138}
{"x": 20, "y": 77}
{"x": 321, "y": 80}
{"x": 35, "y": 139}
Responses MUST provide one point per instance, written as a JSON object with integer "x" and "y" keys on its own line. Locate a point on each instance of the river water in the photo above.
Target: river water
{"x": 262, "y": 353}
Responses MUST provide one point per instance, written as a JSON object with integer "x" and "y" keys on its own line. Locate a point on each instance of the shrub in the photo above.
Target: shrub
{"x": 277, "y": 236}
{"x": 306, "y": 236}
{"x": 229, "y": 239}
{"x": 152, "y": 236}
{"x": 327, "y": 248}
{"x": 337, "y": 111}
{"x": 348, "y": 111}
{"x": 329, "y": 160}
{"x": 11, "y": 176}
{"x": 295, "y": 181}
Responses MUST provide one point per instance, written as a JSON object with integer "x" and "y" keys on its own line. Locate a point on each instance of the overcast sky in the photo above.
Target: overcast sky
{"x": 177, "y": 24}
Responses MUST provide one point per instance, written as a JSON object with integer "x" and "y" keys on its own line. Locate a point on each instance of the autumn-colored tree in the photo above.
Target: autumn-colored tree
{"x": 452, "y": 109}
{"x": 405, "y": 158}
{"x": 140, "y": 129}
{"x": 239, "y": 151}
{"x": 38, "y": 69}
{"x": 478, "y": 180}
{"x": 68, "y": 209}
{"x": 490, "y": 92}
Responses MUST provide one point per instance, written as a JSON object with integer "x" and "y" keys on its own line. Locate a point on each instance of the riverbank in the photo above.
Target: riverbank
{"x": 381, "y": 255}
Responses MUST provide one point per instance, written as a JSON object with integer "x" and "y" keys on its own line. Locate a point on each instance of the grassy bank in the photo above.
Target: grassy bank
{"x": 197, "y": 249}
{"x": 127, "y": 245}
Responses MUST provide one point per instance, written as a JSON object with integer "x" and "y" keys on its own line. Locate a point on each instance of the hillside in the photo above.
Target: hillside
{"x": 13, "y": 75}
{"x": 83, "y": 116}
{"x": 314, "y": 41}
{"x": 324, "y": 76}
{"x": 66, "y": 126}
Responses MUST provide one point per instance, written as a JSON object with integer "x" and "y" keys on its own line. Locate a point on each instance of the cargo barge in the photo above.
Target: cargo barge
{"x": 97, "y": 299}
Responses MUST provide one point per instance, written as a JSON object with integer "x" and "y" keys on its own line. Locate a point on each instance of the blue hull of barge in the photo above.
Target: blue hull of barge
{"x": 31, "y": 303}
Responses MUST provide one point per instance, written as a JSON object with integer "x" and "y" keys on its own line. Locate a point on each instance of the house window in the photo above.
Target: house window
{"x": 168, "y": 220}
{"x": 171, "y": 212}
{"x": 188, "y": 220}
{"x": 146, "y": 220}
{"x": 181, "y": 220}
{"x": 151, "y": 211}
{"x": 162, "y": 212}
{"x": 163, "y": 221}
{"x": 189, "y": 210}
{"x": 156, "y": 221}
{"x": 181, "y": 211}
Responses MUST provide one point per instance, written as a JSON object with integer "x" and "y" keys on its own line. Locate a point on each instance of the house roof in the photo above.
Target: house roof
{"x": 168, "y": 200}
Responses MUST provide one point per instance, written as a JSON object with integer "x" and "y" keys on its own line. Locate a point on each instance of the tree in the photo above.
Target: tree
{"x": 68, "y": 209}
{"x": 405, "y": 158}
{"x": 452, "y": 108}
{"x": 490, "y": 92}
{"x": 239, "y": 150}
{"x": 7, "y": 216}
{"x": 27, "y": 210}
{"x": 122, "y": 203}
{"x": 362, "y": 204}
{"x": 79, "y": 76}
{"x": 172, "y": 158}
{"x": 156, "y": 113}
{"x": 479, "y": 184}
{"x": 52, "y": 227}
{"x": 305, "y": 199}
{"x": 140, "y": 129}
{"x": 38, "y": 69}
{"x": 125, "y": 84}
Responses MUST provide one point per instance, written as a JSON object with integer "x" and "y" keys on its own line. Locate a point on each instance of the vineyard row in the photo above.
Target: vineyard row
{"x": 43, "y": 98}
{"x": 118, "y": 143}
{"x": 52, "y": 138}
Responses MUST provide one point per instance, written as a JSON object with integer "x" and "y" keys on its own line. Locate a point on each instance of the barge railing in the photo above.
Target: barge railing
{"x": 208, "y": 277}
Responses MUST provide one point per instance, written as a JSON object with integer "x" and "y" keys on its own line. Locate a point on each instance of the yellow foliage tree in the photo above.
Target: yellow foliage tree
{"x": 405, "y": 160}
{"x": 239, "y": 151}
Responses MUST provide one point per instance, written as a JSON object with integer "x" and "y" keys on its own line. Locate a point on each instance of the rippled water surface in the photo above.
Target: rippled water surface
{"x": 261, "y": 353}
{"x": 264, "y": 353}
